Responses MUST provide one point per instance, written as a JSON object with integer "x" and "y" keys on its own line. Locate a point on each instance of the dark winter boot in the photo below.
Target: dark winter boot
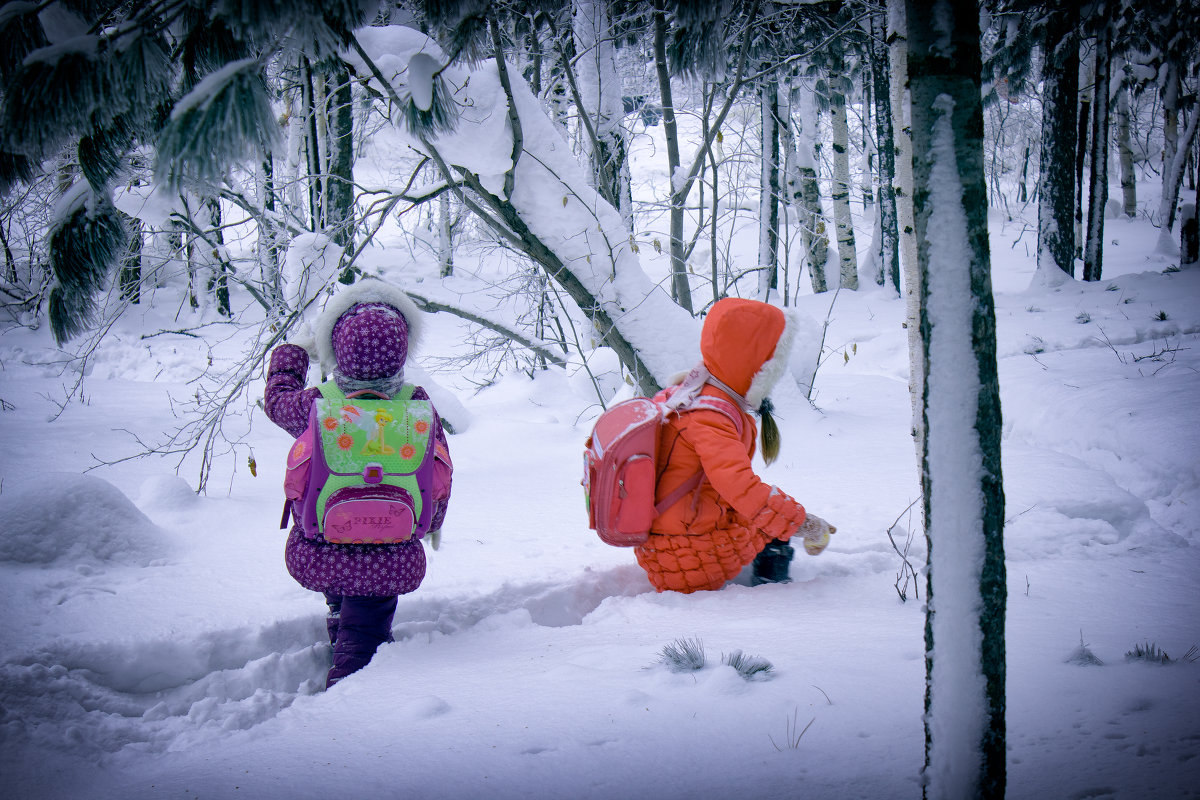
{"x": 364, "y": 624}
{"x": 771, "y": 565}
{"x": 333, "y": 618}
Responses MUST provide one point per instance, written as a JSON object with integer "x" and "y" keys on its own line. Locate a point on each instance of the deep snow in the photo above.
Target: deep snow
{"x": 154, "y": 645}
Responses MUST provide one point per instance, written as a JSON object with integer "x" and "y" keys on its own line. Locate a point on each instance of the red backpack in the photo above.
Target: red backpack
{"x": 620, "y": 465}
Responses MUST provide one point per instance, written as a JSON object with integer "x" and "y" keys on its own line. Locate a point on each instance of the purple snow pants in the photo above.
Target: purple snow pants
{"x": 357, "y": 626}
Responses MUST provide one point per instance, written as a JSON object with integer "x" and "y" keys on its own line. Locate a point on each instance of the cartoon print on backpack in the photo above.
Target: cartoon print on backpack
{"x": 709, "y": 514}
{"x": 368, "y": 479}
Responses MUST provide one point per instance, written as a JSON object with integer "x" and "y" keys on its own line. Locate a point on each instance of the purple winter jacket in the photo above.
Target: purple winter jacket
{"x": 345, "y": 569}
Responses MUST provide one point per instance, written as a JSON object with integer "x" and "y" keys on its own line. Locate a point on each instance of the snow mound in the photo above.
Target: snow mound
{"x": 166, "y": 492}
{"x": 72, "y": 518}
{"x": 1057, "y": 504}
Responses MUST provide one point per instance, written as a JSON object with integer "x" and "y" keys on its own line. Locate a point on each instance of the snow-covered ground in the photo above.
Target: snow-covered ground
{"x": 154, "y": 646}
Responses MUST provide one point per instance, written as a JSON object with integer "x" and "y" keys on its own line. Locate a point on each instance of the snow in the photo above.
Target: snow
{"x": 957, "y": 705}
{"x": 310, "y": 265}
{"x": 154, "y": 645}
{"x": 421, "y": 69}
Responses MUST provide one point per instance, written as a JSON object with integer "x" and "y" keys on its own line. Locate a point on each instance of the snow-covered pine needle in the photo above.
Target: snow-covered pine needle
{"x": 85, "y": 241}
{"x": 683, "y": 655}
{"x": 749, "y": 667}
{"x": 227, "y": 118}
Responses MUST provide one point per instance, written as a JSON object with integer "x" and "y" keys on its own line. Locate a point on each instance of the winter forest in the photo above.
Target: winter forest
{"x": 982, "y": 217}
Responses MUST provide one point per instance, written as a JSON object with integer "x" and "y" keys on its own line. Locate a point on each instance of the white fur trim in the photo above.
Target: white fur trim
{"x": 367, "y": 290}
{"x": 770, "y": 372}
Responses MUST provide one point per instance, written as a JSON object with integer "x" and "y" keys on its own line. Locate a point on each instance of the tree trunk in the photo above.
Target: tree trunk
{"x": 898, "y": 57}
{"x": 847, "y": 256}
{"x": 339, "y": 193}
{"x": 810, "y": 213}
{"x": 1093, "y": 251}
{"x": 218, "y": 281}
{"x": 1056, "y": 181}
{"x": 1176, "y": 148}
{"x": 768, "y": 197}
{"x": 1022, "y": 185}
{"x": 131, "y": 264}
{"x": 960, "y": 470}
{"x": 308, "y": 100}
{"x": 600, "y": 91}
{"x": 268, "y": 239}
{"x": 445, "y": 239}
{"x": 1084, "y": 122}
{"x": 680, "y": 288}
{"x": 889, "y": 229}
{"x": 713, "y": 241}
{"x": 1125, "y": 151}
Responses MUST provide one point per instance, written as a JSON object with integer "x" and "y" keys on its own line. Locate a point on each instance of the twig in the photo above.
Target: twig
{"x": 907, "y": 571}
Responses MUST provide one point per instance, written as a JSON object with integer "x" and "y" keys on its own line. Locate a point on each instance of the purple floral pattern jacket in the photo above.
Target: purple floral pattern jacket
{"x": 358, "y": 570}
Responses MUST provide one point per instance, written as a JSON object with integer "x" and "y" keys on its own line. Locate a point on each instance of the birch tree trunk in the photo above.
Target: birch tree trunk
{"x": 884, "y": 135}
{"x": 960, "y": 467}
{"x": 898, "y": 58}
{"x": 1084, "y": 121}
{"x": 1125, "y": 152}
{"x": 847, "y": 256}
{"x": 1093, "y": 250}
{"x": 810, "y": 214}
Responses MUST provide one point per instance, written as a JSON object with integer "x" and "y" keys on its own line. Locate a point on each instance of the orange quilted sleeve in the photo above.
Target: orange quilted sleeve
{"x": 726, "y": 461}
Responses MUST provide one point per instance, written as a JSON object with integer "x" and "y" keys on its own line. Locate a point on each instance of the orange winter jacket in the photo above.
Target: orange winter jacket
{"x": 705, "y": 538}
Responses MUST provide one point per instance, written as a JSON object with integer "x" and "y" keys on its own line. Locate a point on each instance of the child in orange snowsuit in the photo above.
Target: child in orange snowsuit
{"x": 733, "y": 518}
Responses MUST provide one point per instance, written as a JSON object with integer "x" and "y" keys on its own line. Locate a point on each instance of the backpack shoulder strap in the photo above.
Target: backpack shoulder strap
{"x": 699, "y": 402}
{"x": 709, "y": 403}
{"x": 330, "y": 391}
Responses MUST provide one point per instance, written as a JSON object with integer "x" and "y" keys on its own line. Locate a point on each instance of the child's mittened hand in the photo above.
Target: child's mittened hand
{"x": 816, "y": 534}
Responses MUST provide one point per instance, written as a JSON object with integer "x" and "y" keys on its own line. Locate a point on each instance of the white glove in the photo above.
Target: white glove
{"x": 434, "y": 538}
{"x": 816, "y": 534}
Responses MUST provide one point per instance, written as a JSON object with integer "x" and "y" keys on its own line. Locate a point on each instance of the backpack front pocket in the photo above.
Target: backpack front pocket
{"x": 378, "y": 514}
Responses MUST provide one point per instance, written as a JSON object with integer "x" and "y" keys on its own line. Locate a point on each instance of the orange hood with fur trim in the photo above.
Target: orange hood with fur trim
{"x": 745, "y": 344}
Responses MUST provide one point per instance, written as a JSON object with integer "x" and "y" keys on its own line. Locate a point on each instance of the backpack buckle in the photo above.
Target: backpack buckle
{"x": 373, "y": 473}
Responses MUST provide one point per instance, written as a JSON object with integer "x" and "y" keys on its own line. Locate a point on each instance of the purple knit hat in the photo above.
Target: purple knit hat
{"x": 370, "y": 342}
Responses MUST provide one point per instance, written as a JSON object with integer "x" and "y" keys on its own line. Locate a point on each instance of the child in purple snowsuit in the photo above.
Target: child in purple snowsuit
{"x": 363, "y": 339}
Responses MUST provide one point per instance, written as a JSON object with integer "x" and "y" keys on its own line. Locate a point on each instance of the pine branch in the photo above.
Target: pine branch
{"x": 227, "y": 118}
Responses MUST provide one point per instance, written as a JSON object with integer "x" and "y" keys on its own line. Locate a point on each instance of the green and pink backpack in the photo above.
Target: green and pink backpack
{"x": 367, "y": 470}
